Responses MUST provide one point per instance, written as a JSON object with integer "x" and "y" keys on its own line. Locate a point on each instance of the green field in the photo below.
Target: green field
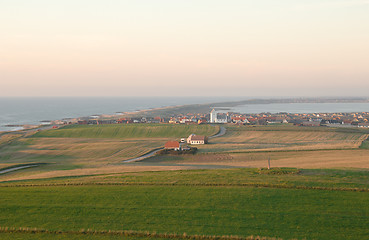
{"x": 63, "y": 236}
{"x": 190, "y": 205}
{"x": 70, "y": 199}
{"x": 129, "y": 131}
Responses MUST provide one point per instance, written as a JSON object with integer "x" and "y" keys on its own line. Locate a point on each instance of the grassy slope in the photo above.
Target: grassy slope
{"x": 129, "y": 131}
{"x": 63, "y": 236}
{"x": 275, "y": 211}
{"x": 309, "y": 178}
{"x": 201, "y": 210}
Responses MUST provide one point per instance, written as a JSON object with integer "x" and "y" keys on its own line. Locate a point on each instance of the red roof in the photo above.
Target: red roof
{"x": 172, "y": 144}
{"x": 198, "y": 138}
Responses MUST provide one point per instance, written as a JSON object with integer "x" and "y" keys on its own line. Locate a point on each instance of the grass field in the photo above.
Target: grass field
{"x": 84, "y": 185}
{"x": 186, "y": 207}
{"x": 63, "y": 236}
{"x": 129, "y": 131}
{"x": 304, "y": 178}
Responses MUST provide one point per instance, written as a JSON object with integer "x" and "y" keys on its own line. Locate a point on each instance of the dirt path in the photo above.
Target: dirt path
{"x": 17, "y": 168}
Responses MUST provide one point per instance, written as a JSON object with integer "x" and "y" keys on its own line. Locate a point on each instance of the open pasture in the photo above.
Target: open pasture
{"x": 63, "y": 236}
{"x": 129, "y": 131}
{"x": 341, "y": 179}
{"x": 195, "y": 210}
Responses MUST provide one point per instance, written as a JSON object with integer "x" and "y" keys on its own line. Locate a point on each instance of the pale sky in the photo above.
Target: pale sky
{"x": 184, "y": 48}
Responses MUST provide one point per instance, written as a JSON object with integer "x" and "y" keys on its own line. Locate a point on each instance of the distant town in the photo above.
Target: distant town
{"x": 355, "y": 119}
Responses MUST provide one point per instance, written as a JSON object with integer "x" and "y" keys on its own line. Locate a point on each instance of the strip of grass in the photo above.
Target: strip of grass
{"x": 63, "y": 236}
{"x": 129, "y": 131}
{"x": 286, "y": 213}
{"x": 288, "y": 178}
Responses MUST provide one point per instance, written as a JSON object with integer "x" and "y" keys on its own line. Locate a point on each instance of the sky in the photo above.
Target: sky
{"x": 241, "y": 48}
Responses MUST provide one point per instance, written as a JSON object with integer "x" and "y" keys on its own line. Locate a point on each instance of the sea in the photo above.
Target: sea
{"x": 34, "y": 111}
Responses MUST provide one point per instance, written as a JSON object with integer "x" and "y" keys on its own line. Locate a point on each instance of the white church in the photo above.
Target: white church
{"x": 214, "y": 117}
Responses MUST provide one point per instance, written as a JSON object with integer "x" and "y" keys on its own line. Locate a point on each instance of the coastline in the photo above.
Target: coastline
{"x": 169, "y": 111}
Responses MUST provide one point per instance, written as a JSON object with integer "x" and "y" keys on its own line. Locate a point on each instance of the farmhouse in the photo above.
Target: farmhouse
{"x": 172, "y": 145}
{"x": 197, "y": 139}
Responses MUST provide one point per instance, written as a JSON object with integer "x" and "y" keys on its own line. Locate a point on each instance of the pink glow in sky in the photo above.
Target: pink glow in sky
{"x": 184, "y": 47}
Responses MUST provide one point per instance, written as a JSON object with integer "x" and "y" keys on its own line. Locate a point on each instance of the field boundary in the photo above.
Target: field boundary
{"x": 255, "y": 185}
{"x": 130, "y": 233}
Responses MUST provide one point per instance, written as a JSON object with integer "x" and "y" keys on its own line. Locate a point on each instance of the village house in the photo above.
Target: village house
{"x": 172, "y": 145}
{"x": 197, "y": 139}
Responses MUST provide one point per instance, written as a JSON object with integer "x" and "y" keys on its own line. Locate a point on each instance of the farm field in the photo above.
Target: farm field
{"x": 284, "y": 178}
{"x": 96, "y": 148}
{"x": 84, "y": 184}
{"x": 336, "y": 209}
{"x": 272, "y": 138}
{"x": 356, "y": 158}
{"x": 129, "y": 131}
{"x": 63, "y": 236}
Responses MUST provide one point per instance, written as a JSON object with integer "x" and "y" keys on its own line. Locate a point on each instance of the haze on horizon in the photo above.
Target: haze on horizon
{"x": 184, "y": 48}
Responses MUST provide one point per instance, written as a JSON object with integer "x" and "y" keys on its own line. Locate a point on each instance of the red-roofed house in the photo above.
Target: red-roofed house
{"x": 172, "y": 145}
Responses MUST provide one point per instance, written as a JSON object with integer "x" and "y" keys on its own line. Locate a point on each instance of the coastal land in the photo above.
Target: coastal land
{"x": 203, "y": 108}
{"x": 254, "y": 179}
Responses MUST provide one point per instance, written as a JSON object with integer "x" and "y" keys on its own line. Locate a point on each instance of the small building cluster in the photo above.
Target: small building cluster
{"x": 193, "y": 139}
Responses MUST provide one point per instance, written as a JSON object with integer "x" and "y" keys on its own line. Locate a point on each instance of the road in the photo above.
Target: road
{"x": 17, "y": 168}
{"x": 221, "y": 132}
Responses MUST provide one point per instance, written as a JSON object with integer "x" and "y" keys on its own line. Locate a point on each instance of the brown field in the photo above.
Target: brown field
{"x": 6, "y": 138}
{"x": 246, "y": 141}
{"x": 93, "y": 151}
{"x": 300, "y": 159}
{"x": 77, "y": 154}
{"x": 240, "y": 147}
{"x": 91, "y": 171}
{"x": 4, "y": 165}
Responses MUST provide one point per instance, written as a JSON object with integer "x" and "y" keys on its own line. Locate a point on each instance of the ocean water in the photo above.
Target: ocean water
{"x": 302, "y": 107}
{"x": 19, "y": 111}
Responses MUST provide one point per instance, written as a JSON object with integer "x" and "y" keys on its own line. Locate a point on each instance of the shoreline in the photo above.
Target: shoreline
{"x": 186, "y": 108}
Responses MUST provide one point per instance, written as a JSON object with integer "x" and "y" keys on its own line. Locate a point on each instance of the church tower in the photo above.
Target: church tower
{"x": 213, "y": 116}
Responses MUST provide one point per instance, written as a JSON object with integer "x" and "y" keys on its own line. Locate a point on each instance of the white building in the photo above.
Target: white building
{"x": 214, "y": 117}
{"x": 196, "y": 139}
